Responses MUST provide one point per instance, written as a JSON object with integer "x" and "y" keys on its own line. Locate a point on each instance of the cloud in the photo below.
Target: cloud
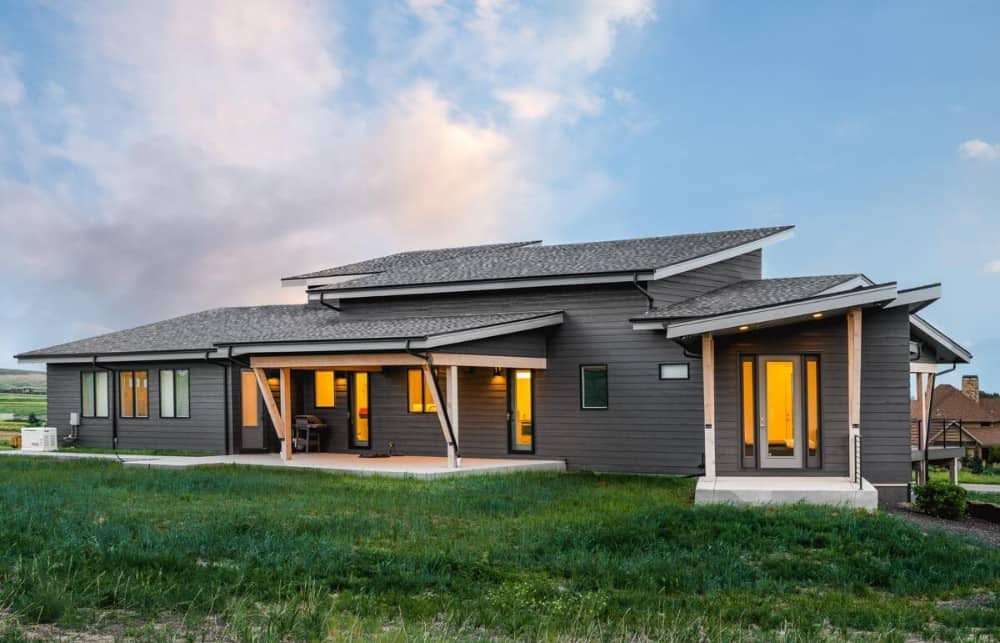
{"x": 529, "y": 103}
{"x": 979, "y": 150}
{"x": 993, "y": 266}
{"x": 11, "y": 89}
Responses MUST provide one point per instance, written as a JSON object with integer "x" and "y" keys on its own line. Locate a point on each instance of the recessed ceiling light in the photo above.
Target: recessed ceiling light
{"x": 744, "y": 328}
{"x": 817, "y": 315}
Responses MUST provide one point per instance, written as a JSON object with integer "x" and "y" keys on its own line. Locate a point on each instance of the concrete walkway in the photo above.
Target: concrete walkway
{"x": 981, "y": 488}
{"x": 406, "y": 466}
{"x": 779, "y": 490}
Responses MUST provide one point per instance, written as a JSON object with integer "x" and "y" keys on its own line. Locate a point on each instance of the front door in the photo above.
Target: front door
{"x": 780, "y": 412}
{"x": 520, "y": 411}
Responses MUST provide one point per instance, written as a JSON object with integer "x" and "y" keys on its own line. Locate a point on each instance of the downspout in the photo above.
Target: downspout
{"x": 323, "y": 303}
{"x": 930, "y": 411}
{"x": 444, "y": 407}
{"x": 225, "y": 396}
{"x": 113, "y": 403}
{"x": 688, "y": 354}
{"x": 635, "y": 282}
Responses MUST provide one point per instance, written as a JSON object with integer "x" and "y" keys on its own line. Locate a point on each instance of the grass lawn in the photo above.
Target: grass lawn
{"x": 300, "y": 555}
{"x": 985, "y": 497}
{"x": 22, "y": 405}
{"x": 991, "y": 475}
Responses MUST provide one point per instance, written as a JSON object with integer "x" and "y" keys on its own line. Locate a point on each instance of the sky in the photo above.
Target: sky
{"x": 159, "y": 158}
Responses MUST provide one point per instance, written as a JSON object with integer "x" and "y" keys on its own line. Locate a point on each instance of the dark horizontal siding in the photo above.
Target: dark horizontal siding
{"x": 526, "y": 344}
{"x": 697, "y": 282}
{"x": 205, "y": 430}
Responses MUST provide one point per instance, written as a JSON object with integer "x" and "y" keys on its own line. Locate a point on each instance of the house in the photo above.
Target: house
{"x": 964, "y": 417}
{"x": 666, "y": 355}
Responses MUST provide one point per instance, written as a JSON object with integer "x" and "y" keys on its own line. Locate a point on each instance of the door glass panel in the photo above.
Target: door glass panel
{"x": 780, "y": 408}
{"x": 101, "y": 394}
{"x": 141, "y": 381}
{"x": 166, "y": 394}
{"x": 812, "y": 405}
{"x": 127, "y": 401}
{"x": 87, "y": 385}
{"x": 360, "y": 410}
{"x": 523, "y": 422}
{"x": 749, "y": 412}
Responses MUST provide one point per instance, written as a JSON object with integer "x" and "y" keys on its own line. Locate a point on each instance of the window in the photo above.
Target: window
{"x": 674, "y": 372}
{"x": 594, "y": 386}
{"x": 134, "y": 398}
{"x": 175, "y": 393}
{"x": 812, "y": 410}
{"x": 248, "y": 399}
{"x": 521, "y": 412}
{"x": 360, "y": 420}
{"x": 748, "y": 410}
{"x": 418, "y": 392}
{"x": 94, "y": 394}
{"x": 326, "y": 397}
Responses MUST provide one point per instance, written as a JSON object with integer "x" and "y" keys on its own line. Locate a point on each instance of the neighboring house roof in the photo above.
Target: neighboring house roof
{"x": 750, "y": 294}
{"x": 951, "y": 404}
{"x": 985, "y": 436}
{"x": 407, "y": 260}
{"x": 531, "y": 260}
{"x": 206, "y": 330}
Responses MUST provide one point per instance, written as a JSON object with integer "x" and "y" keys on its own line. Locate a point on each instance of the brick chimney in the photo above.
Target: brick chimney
{"x": 970, "y": 387}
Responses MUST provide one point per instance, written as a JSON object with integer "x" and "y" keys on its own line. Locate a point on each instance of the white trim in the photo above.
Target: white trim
{"x": 500, "y": 284}
{"x": 782, "y": 312}
{"x": 722, "y": 255}
{"x": 851, "y": 284}
{"x": 919, "y": 295}
{"x": 923, "y": 367}
{"x": 125, "y": 357}
{"x": 647, "y": 325}
{"x": 942, "y": 340}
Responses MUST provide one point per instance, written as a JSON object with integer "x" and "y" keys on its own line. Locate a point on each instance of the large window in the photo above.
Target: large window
{"x": 522, "y": 411}
{"x": 812, "y": 410}
{"x": 175, "y": 393}
{"x": 94, "y": 394}
{"x": 134, "y": 387}
{"x": 748, "y": 411}
{"x": 594, "y": 386}
{"x": 418, "y": 392}
{"x": 326, "y": 395}
{"x": 248, "y": 399}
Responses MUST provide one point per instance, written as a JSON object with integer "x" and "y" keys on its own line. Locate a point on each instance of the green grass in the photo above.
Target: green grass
{"x": 991, "y": 475}
{"x": 22, "y": 405}
{"x": 985, "y": 497}
{"x": 300, "y": 555}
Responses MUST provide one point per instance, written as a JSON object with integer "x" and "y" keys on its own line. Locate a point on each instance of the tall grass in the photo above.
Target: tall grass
{"x": 299, "y": 554}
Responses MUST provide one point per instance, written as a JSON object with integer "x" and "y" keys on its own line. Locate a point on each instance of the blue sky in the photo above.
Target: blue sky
{"x": 161, "y": 158}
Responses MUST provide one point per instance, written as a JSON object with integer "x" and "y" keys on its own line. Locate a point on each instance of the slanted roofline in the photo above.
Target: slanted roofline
{"x": 341, "y": 291}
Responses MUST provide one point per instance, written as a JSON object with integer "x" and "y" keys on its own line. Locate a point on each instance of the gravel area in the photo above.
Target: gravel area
{"x": 987, "y": 532}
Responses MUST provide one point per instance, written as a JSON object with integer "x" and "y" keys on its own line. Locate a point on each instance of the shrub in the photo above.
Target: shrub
{"x": 942, "y": 499}
{"x": 973, "y": 463}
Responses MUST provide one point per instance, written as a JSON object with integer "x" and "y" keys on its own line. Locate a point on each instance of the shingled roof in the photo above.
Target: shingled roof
{"x": 748, "y": 295}
{"x": 530, "y": 259}
{"x": 208, "y": 329}
{"x": 951, "y": 404}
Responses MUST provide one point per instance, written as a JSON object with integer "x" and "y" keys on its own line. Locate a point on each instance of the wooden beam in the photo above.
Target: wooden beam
{"x": 442, "y": 418}
{"x": 452, "y": 395}
{"x": 286, "y": 412}
{"x": 853, "y": 387}
{"x": 708, "y": 393}
{"x": 269, "y": 403}
{"x": 363, "y": 361}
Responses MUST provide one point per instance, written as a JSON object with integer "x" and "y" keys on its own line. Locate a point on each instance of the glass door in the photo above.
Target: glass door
{"x": 360, "y": 420}
{"x": 521, "y": 411}
{"x": 780, "y": 412}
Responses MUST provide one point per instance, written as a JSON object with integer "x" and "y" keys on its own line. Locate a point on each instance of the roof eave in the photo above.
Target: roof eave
{"x": 710, "y": 258}
{"x": 942, "y": 343}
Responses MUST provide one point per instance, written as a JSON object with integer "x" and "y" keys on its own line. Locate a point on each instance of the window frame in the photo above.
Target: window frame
{"x": 333, "y": 389}
{"x": 93, "y": 389}
{"x": 812, "y": 461}
{"x": 173, "y": 376}
{"x": 687, "y": 371}
{"x": 607, "y": 391}
{"x": 424, "y": 390}
{"x": 135, "y": 398}
{"x": 751, "y": 461}
{"x": 352, "y": 402}
{"x": 512, "y": 408}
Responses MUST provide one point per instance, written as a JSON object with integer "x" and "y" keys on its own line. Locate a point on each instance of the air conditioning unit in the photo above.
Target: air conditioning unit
{"x": 43, "y": 438}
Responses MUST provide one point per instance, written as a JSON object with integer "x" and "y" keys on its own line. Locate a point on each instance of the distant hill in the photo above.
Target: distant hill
{"x": 14, "y": 378}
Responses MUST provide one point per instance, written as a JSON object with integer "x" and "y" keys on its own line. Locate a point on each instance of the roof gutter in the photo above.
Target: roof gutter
{"x": 645, "y": 293}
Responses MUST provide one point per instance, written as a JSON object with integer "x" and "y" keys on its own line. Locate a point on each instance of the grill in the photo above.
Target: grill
{"x": 308, "y": 433}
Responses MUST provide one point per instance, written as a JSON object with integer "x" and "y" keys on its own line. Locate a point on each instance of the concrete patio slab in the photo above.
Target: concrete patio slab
{"x": 764, "y": 490}
{"x": 397, "y": 466}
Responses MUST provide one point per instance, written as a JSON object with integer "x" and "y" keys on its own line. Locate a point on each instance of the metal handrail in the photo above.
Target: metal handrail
{"x": 857, "y": 460}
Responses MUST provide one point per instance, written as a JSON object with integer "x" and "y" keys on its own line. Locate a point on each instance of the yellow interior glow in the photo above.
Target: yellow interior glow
{"x": 812, "y": 403}
{"x": 127, "y": 398}
{"x": 361, "y": 409}
{"x": 523, "y": 375}
{"x": 780, "y": 407}
{"x": 248, "y": 397}
{"x": 325, "y": 392}
{"x": 141, "y": 379}
{"x": 414, "y": 390}
{"x": 748, "y": 408}
{"x": 524, "y": 429}
{"x": 429, "y": 405}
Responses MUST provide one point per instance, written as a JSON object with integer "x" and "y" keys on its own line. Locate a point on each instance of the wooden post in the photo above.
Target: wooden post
{"x": 269, "y": 403}
{"x": 442, "y": 417}
{"x": 853, "y": 388}
{"x": 286, "y": 412}
{"x": 708, "y": 393}
{"x": 922, "y": 432}
{"x": 956, "y": 466}
{"x": 453, "y": 405}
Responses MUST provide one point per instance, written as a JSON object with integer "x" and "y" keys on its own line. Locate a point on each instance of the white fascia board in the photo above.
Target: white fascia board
{"x": 722, "y": 255}
{"x": 322, "y": 281}
{"x": 851, "y": 284}
{"x": 794, "y": 310}
{"x": 489, "y": 331}
{"x": 648, "y": 325}
{"x": 432, "y": 341}
{"x": 942, "y": 340}
{"x": 916, "y": 296}
{"x": 502, "y": 284}
{"x": 125, "y": 357}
